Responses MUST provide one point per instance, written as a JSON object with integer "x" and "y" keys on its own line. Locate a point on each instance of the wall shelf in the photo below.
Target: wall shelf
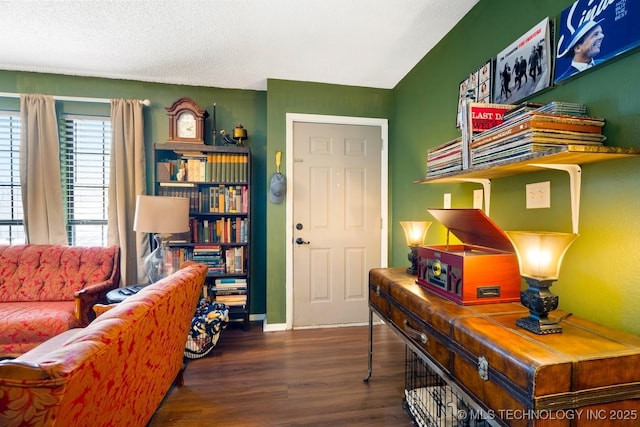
{"x": 568, "y": 159}
{"x": 571, "y": 154}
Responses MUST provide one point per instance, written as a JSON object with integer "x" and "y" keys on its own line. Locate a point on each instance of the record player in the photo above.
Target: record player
{"x": 483, "y": 269}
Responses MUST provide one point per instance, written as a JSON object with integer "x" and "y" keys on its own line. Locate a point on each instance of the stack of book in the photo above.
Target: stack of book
{"x": 546, "y": 129}
{"x": 445, "y": 158}
{"x": 231, "y": 291}
{"x": 211, "y": 256}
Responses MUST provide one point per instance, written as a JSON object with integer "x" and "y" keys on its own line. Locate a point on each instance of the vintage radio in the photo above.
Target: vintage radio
{"x": 483, "y": 269}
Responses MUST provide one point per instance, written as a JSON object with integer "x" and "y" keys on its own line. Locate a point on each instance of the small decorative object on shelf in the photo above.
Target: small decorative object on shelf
{"x": 540, "y": 256}
{"x": 240, "y": 134}
{"x": 414, "y": 232}
{"x": 226, "y": 138}
{"x": 186, "y": 121}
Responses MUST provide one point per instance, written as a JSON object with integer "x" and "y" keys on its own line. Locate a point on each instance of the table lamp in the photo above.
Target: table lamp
{"x": 162, "y": 216}
{"x": 414, "y": 232}
{"x": 540, "y": 255}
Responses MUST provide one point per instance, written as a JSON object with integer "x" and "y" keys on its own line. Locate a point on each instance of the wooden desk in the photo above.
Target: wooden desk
{"x": 587, "y": 376}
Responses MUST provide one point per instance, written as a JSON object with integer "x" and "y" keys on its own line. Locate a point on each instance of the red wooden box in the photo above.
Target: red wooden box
{"x": 481, "y": 270}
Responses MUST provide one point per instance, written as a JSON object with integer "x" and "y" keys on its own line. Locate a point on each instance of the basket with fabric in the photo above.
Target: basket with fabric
{"x": 208, "y": 321}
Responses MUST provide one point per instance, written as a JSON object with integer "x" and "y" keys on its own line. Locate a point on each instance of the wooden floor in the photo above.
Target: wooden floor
{"x": 310, "y": 377}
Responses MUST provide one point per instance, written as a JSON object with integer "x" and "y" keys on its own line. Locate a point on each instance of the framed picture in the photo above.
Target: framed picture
{"x": 525, "y": 66}
{"x": 477, "y": 85}
{"x": 592, "y": 33}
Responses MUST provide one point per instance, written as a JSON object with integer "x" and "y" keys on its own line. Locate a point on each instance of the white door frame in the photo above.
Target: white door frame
{"x": 291, "y": 118}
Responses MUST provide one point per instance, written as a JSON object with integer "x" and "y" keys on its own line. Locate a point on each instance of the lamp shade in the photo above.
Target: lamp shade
{"x": 540, "y": 253}
{"x": 415, "y": 231}
{"x": 163, "y": 215}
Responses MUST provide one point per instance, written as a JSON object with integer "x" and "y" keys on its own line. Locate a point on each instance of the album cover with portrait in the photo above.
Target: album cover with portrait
{"x": 592, "y": 33}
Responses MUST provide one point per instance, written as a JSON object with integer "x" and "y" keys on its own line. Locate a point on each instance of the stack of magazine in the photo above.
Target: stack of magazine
{"x": 445, "y": 158}
{"x": 530, "y": 130}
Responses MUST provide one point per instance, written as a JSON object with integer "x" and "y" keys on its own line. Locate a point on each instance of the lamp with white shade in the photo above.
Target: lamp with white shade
{"x": 163, "y": 217}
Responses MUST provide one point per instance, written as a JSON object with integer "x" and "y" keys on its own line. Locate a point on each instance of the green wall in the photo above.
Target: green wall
{"x": 600, "y": 277}
{"x": 309, "y": 98}
{"x": 232, "y": 107}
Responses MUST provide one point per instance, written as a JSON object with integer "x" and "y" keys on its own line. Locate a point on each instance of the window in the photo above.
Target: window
{"x": 11, "y": 215}
{"x": 85, "y": 146}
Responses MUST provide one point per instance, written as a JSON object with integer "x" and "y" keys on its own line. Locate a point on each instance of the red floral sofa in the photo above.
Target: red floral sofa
{"x": 114, "y": 372}
{"x": 48, "y": 289}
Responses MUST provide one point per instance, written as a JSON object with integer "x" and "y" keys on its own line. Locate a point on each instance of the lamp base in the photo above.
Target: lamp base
{"x": 539, "y": 326}
{"x": 413, "y": 258}
{"x": 156, "y": 265}
{"x": 540, "y": 301}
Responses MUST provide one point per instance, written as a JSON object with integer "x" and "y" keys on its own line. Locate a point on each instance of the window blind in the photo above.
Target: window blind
{"x": 11, "y": 213}
{"x": 85, "y": 147}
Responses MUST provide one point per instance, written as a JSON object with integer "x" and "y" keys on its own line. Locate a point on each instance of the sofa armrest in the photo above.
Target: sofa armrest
{"x": 100, "y": 309}
{"x": 86, "y": 298}
{"x": 17, "y": 371}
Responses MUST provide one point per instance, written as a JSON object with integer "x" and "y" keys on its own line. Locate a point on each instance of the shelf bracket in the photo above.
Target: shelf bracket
{"x": 575, "y": 179}
{"x": 486, "y": 190}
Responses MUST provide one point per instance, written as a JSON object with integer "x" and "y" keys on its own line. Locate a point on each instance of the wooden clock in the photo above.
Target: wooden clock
{"x": 186, "y": 121}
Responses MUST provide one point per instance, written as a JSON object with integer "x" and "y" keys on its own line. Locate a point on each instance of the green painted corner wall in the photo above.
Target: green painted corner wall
{"x": 600, "y": 277}
{"x": 284, "y": 97}
{"x": 232, "y": 107}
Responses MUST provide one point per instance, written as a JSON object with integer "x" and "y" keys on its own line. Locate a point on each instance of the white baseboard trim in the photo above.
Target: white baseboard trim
{"x": 274, "y": 327}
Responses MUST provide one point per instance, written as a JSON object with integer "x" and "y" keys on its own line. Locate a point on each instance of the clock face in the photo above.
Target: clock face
{"x": 186, "y": 126}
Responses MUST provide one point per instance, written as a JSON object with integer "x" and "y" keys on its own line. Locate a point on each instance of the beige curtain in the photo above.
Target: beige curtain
{"x": 127, "y": 180}
{"x": 40, "y": 171}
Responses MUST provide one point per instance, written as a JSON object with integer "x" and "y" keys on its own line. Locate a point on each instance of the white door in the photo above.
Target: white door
{"x": 336, "y": 221}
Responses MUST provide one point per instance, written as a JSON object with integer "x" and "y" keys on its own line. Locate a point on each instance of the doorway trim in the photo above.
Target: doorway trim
{"x": 291, "y": 118}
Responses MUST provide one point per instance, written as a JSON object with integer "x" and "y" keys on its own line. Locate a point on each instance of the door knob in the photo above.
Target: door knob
{"x": 301, "y": 242}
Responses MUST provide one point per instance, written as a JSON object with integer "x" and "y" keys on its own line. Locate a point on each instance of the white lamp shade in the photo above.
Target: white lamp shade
{"x": 540, "y": 253}
{"x": 163, "y": 215}
{"x": 415, "y": 231}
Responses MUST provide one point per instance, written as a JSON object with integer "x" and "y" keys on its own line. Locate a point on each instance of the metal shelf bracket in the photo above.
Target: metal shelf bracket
{"x": 486, "y": 190}
{"x": 575, "y": 179}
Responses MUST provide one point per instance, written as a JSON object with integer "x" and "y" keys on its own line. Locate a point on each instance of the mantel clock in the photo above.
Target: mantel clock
{"x": 186, "y": 121}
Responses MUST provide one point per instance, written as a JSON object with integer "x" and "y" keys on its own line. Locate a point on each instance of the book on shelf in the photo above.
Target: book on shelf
{"x": 232, "y": 300}
{"x": 445, "y": 158}
{"x": 227, "y": 199}
{"x": 219, "y": 230}
{"x": 231, "y": 285}
{"x": 205, "y": 167}
{"x": 478, "y": 117}
{"x": 234, "y": 259}
{"x": 540, "y": 122}
{"x": 485, "y": 116}
{"x": 522, "y": 150}
{"x": 523, "y": 107}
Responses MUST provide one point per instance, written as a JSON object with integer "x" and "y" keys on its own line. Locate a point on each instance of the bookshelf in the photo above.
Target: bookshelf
{"x": 216, "y": 180}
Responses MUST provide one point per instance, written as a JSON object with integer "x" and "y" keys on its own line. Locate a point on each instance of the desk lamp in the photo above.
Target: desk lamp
{"x": 162, "y": 216}
{"x": 414, "y": 233}
{"x": 540, "y": 255}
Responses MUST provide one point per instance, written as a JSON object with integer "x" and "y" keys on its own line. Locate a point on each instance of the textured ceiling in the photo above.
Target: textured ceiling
{"x": 226, "y": 43}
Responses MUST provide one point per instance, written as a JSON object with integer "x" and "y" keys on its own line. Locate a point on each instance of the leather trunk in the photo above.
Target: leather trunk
{"x": 587, "y": 376}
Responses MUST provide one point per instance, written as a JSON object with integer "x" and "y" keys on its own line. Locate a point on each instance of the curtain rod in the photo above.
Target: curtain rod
{"x": 145, "y": 102}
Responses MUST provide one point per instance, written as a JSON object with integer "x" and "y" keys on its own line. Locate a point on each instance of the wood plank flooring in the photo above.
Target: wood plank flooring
{"x": 311, "y": 377}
